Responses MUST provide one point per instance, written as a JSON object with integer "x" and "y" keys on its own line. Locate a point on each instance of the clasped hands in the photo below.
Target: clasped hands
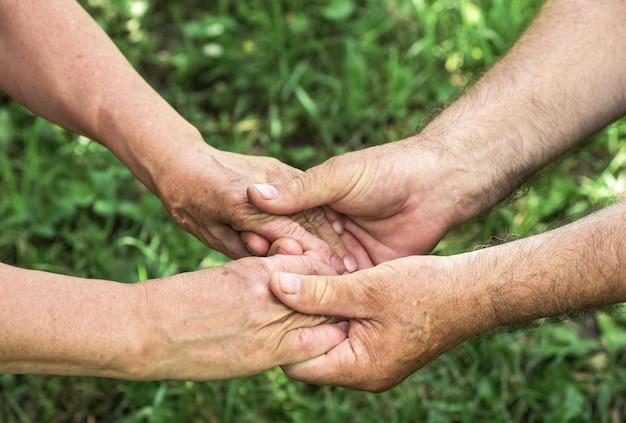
{"x": 377, "y": 206}
{"x": 398, "y": 313}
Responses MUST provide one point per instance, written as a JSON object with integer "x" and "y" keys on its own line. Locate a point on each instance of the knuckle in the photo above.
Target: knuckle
{"x": 259, "y": 295}
{"x": 301, "y": 222}
{"x": 240, "y": 214}
{"x": 304, "y": 342}
{"x": 316, "y": 218}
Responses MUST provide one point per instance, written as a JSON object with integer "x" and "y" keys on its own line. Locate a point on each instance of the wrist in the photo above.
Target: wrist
{"x": 485, "y": 149}
{"x": 142, "y": 130}
{"x": 470, "y": 298}
{"x": 457, "y": 295}
{"x": 181, "y": 172}
{"x": 458, "y": 185}
{"x": 126, "y": 344}
{"x": 136, "y": 358}
{"x": 148, "y": 151}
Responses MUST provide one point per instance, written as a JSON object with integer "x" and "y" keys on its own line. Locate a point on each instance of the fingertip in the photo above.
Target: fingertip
{"x": 336, "y": 263}
{"x": 335, "y": 219}
{"x": 255, "y": 243}
{"x": 358, "y": 252}
{"x": 350, "y": 264}
{"x": 266, "y": 191}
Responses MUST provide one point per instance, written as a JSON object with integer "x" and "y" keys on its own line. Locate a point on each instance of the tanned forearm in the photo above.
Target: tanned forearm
{"x": 576, "y": 267}
{"x": 562, "y": 82}
{"x": 211, "y": 324}
{"x": 58, "y": 62}
{"x": 56, "y": 324}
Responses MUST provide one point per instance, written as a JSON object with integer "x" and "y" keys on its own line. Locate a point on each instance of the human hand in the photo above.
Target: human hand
{"x": 223, "y": 322}
{"x": 204, "y": 190}
{"x": 398, "y": 199}
{"x": 402, "y": 314}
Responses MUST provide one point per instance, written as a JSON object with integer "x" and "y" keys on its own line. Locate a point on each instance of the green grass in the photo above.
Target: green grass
{"x": 303, "y": 80}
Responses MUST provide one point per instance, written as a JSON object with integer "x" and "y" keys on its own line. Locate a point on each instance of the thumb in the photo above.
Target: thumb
{"x": 318, "y": 186}
{"x": 324, "y": 295}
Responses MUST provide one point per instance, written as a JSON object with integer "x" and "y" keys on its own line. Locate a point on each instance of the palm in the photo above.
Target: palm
{"x": 385, "y": 210}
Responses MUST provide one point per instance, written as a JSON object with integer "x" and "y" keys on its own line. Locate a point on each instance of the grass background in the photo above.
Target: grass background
{"x": 303, "y": 80}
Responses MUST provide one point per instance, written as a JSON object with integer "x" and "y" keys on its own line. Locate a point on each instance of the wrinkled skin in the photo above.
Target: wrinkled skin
{"x": 394, "y": 197}
{"x": 205, "y": 193}
{"x": 230, "y": 325}
{"x": 402, "y": 314}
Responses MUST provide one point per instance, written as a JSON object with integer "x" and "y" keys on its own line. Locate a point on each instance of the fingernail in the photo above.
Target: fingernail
{"x": 344, "y": 326}
{"x": 337, "y": 227}
{"x": 268, "y": 192}
{"x": 290, "y": 284}
{"x": 350, "y": 264}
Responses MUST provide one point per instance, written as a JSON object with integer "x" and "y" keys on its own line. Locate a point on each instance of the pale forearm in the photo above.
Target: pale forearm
{"x": 561, "y": 82}
{"x": 578, "y": 266}
{"x": 57, "y": 61}
{"x": 56, "y": 324}
{"x": 211, "y": 324}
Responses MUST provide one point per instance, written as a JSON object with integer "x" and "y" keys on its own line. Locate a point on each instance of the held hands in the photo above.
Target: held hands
{"x": 396, "y": 198}
{"x": 402, "y": 315}
{"x": 223, "y": 322}
{"x": 205, "y": 192}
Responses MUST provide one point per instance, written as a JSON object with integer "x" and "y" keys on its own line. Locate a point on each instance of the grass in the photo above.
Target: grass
{"x": 303, "y": 80}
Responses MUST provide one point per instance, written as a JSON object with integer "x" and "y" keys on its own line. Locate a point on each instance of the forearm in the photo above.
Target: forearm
{"x": 211, "y": 324}
{"x": 56, "y": 324}
{"x": 578, "y": 266}
{"x": 58, "y": 62}
{"x": 561, "y": 82}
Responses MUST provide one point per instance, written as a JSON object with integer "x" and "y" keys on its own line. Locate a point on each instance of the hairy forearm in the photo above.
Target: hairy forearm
{"x": 578, "y": 266}
{"x": 56, "y": 324}
{"x": 561, "y": 82}
{"x": 57, "y": 61}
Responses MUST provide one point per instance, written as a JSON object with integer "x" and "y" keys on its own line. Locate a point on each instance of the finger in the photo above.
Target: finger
{"x": 341, "y": 366}
{"x": 255, "y": 244}
{"x": 247, "y": 218}
{"x": 303, "y": 344}
{"x": 335, "y": 219}
{"x": 330, "y": 368}
{"x": 358, "y": 251}
{"x": 228, "y": 242}
{"x": 330, "y": 296}
{"x": 377, "y": 250}
{"x": 302, "y": 265}
{"x": 286, "y": 246}
{"x": 218, "y": 237}
{"x": 318, "y": 224}
{"x": 317, "y": 186}
{"x": 285, "y": 227}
